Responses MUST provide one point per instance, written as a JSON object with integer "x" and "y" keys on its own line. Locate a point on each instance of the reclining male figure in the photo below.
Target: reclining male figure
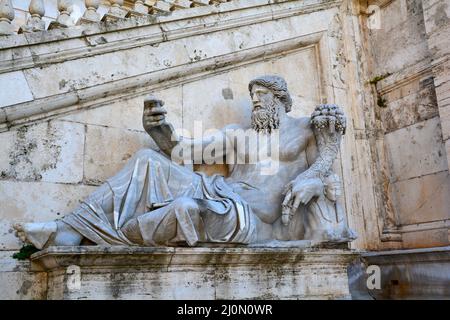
{"x": 154, "y": 200}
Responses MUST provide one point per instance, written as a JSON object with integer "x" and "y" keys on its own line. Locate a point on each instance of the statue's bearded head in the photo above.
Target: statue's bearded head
{"x": 269, "y": 94}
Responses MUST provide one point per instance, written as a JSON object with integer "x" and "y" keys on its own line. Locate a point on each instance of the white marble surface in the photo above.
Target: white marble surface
{"x": 197, "y": 273}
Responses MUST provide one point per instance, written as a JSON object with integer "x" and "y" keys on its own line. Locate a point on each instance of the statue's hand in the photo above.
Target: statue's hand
{"x": 299, "y": 191}
{"x": 154, "y": 114}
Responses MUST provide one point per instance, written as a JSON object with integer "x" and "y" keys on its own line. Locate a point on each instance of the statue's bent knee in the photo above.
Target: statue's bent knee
{"x": 185, "y": 204}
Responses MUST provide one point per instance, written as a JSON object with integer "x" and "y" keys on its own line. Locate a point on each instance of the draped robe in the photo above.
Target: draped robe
{"x": 144, "y": 190}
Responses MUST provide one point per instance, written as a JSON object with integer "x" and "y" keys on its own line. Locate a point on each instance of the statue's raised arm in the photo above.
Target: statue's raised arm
{"x": 318, "y": 187}
{"x": 155, "y": 124}
{"x": 328, "y": 123}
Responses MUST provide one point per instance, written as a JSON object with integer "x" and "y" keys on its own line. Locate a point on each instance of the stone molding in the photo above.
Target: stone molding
{"x": 240, "y": 13}
{"x": 46, "y": 48}
{"x": 437, "y": 254}
{"x": 105, "y": 93}
{"x": 404, "y": 77}
{"x": 424, "y": 226}
{"x": 194, "y": 273}
{"x": 54, "y": 258}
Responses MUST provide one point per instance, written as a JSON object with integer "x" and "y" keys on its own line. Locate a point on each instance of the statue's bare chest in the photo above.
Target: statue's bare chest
{"x": 284, "y": 145}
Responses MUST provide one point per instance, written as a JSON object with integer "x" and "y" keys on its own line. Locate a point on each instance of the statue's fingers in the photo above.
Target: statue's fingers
{"x": 296, "y": 204}
{"x": 287, "y": 198}
{"x": 156, "y": 111}
{"x": 308, "y": 198}
{"x": 302, "y": 196}
{"x": 286, "y": 210}
{"x": 287, "y": 188}
{"x": 285, "y": 215}
{"x": 154, "y": 123}
{"x": 156, "y": 118}
{"x": 285, "y": 219}
{"x": 160, "y": 122}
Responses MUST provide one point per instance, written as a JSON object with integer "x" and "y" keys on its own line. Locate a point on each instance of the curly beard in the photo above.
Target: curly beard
{"x": 266, "y": 119}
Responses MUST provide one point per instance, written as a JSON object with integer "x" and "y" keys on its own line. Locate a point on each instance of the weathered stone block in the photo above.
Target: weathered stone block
{"x": 14, "y": 89}
{"x": 392, "y": 51}
{"x": 127, "y": 113}
{"x": 90, "y": 71}
{"x": 436, "y": 14}
{"x": 50, "y": 152}
{"x": 409, "y": 104}
{"x": 423, "y": 199}
{"x": 444, "y": 114}
{"x": 108, "y": 149}
{"x": 447, "y": 151}
{"x": 34, "y": 201}
{"x": 16, "y": 280}
{"x": 195, "y": 273}
{"x": 416, "y": 150}
{"x": 23, "y": 285}
{"x": 425, "y": 238}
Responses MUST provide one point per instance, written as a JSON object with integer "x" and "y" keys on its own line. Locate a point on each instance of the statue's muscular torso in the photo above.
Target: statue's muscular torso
{"x": 263, "y": 192}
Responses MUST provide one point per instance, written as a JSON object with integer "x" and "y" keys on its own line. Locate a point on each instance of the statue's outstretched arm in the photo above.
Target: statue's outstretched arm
{"x": 328, "y": 123}
{"x": 208, "y": 148}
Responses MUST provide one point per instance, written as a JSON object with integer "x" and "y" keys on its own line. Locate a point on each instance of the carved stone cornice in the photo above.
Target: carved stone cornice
{"x": 41, "y": 49}
{"x": 98, "y": 256}
{"x": 105, "y": 93}
{"x": 62, "y": 45}
{"x": 214, "y": 273}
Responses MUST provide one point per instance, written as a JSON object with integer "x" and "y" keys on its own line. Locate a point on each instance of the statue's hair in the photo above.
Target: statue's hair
{"x": 277, "y": 85}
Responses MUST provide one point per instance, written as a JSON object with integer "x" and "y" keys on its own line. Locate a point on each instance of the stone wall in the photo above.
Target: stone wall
{"x": 71, "y": 106}
{"x": 416, "y": 181}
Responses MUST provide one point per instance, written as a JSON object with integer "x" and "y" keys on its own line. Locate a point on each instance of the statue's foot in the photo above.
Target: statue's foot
{"x": 35, "y": 233}
{"x": 20, "y": 232}
{"x": 349, "y": 234}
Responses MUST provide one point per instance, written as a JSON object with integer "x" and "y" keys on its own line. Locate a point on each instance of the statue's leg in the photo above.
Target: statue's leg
{"x": 176, "y": 176}
{"x": 45, "y": 234}
{"x": 57, "y": 232}
{"x": 178, "y": 221}
{"x": 100, "y": 203}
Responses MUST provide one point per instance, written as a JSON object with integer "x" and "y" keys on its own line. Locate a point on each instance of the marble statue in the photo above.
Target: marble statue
{"x": 157, "y": 201}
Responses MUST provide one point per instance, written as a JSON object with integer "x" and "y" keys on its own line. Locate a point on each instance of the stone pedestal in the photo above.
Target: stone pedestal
{"x": 194, "y": 273}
